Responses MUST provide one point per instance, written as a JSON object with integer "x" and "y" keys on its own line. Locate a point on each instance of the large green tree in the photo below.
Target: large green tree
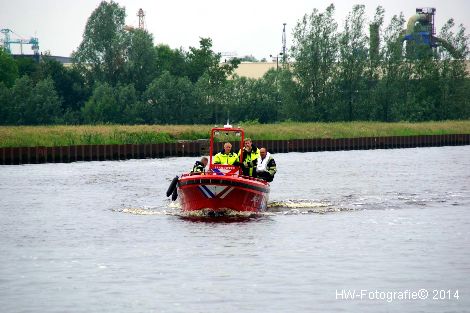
{"x": 454, "y": 81}
{"x": 5, "y": 104}
{"x": 27, "y": 66}
{"x": 34, "y": 104}
{"x": 8, "y": 69}
{"x": 68, "y": 82}
{"x": 171, "y": 60}
{"x": 390, "y": 92}
{"x": 141, "y": 66}
{"x": 287, "y": 101}
{"x": 103, "y": 51}
{"x": 46, "y": 103}
{"x": 315, "y": 51}
{"x": 204, "y": 60}
{"x": 22, "y": 111}
{"x": 110, "y": 104}
{"x": 172, "y": 99}
{"x": 352, "y": 67}
{"x": 203, "y": 63}
{"x": 253, "y": 100}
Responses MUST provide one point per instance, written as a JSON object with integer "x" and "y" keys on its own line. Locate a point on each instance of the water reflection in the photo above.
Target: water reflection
{"x": 223, "y": 219}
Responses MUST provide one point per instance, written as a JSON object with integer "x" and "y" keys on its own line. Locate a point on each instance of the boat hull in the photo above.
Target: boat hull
{"x": 217, "y": 193}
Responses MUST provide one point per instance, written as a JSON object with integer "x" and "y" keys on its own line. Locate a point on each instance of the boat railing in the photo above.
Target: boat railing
{"x": 212, "y": 173}
{"x": 227, "y": 170}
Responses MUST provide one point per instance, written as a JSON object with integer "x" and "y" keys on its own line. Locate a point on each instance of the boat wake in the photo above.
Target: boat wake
{"x": 284, "y": 207}
{"x": 143, "y": 211}
{"x": 305, "y": 206}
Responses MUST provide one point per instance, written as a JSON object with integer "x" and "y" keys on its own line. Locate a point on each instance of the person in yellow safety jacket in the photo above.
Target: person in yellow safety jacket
{"x": 226, "y": 157}
{"x": 266, "y": 167}
{"x": 250, "y": 158}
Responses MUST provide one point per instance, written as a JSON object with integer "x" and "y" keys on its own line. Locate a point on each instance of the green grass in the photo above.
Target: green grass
{"x": 30, "y": 136}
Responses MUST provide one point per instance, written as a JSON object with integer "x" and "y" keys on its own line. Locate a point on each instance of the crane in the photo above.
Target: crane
{"x": 141, "y": 16}
{"x": 7, "y": 41}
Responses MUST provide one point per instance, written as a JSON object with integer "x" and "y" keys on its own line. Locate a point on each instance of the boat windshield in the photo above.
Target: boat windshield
{"x": 220, "y": 136}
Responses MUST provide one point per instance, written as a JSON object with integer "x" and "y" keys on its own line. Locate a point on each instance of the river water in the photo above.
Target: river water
{"x": 373, "y": 225}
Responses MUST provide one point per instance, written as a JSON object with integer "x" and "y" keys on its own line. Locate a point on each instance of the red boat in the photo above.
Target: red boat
{"x": 222, "y": 187}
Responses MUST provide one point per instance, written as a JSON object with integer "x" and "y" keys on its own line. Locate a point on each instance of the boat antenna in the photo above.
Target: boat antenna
{"x": 228, "y": 121}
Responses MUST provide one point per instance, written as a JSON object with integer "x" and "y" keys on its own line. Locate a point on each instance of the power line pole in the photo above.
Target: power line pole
{"x": 284, "y": 44}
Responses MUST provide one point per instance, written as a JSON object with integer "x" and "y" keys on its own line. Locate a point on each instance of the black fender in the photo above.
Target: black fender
{"x": 174, "y": 195}
{"x": 172, "y": 186}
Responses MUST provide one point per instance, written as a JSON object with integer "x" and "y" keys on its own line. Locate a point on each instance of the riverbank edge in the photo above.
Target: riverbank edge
{"x": 70, "y": 135}
{"x": 186, "y": 148}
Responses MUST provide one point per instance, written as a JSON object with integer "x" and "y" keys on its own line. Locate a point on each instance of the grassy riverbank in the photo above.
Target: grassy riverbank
{"x": 30, "y": 136}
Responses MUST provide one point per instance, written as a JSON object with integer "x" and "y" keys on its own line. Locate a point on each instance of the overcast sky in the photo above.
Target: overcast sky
{"x": 242, "y": 26}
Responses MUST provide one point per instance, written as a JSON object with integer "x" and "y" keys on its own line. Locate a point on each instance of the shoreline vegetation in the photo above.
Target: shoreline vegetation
{"x": 67, "y": 135}
{"x": 360, "y": 68}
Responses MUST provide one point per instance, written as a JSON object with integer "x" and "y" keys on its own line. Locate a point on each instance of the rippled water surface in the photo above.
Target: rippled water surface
{"x": 102, "y": 237}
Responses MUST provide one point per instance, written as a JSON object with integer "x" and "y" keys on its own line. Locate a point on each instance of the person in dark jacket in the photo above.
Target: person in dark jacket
{"x": 200, "y": 166}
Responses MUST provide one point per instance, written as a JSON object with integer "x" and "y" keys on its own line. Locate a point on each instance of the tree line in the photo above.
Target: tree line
{"x": 365, "y": 71}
